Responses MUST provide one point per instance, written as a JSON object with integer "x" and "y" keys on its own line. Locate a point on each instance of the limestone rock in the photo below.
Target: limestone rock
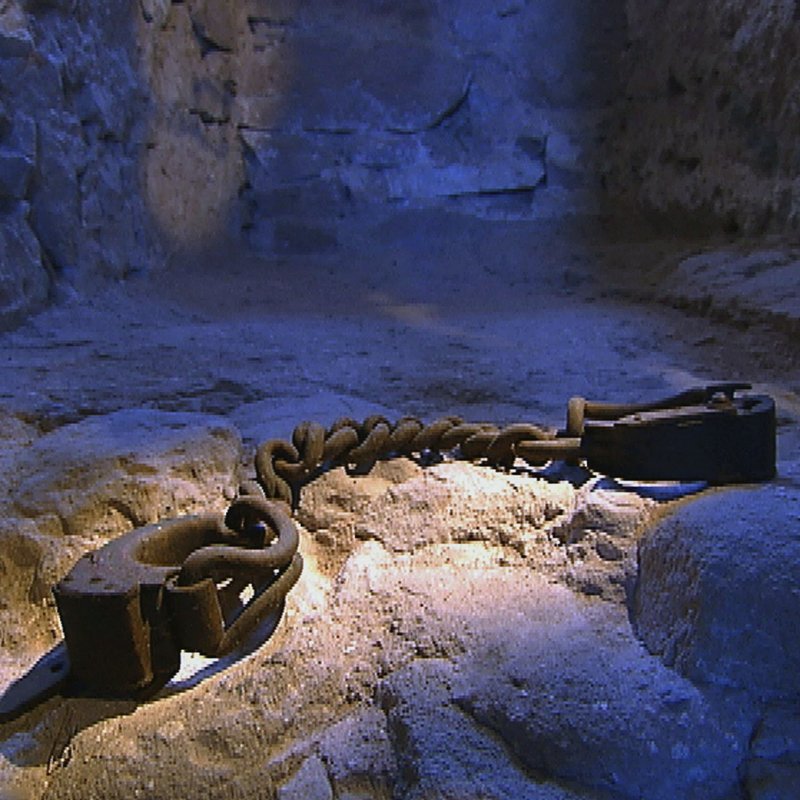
{"x": 710, "y": 90}
{"x": 15, "y": 173}
{"x": 309, "y": 783}
{"x": 616, "y": 722}
{"x": 616, "y": 513}
{"x": 568, "y": 723}
{"x": 458, "y": 503}
{"x": 71, "y": 111}
{"x": 773, "y": 771}
{"x": 718, "y": 592}
{"x": 450, "y": 666}
{"x": 441, "y": 752}
{"x": 15, "y": 38}
{"x": 67, "y": 491}
{"x": 367, "y": 83}
{"x": 155, "y": 11}
{"x": 300, "y": 130}
{"x": 358, "y": 753}
{"x": 745, "y": 285}
{"x": 55, "y": 201}
{"x": 105, "y": 475}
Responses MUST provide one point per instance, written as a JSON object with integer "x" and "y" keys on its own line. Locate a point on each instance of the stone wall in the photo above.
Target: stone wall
{"x": 316, "y": 117}
{"x": 708, "y": 128}
{"x": 132, "y": 130}
{"x": 71, "y": 107}
{"x": 287, "y": 125}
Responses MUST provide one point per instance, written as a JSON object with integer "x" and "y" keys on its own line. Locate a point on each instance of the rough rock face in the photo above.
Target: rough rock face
{"x": 717, "y": 599}
{"x": 451, "y": 663}
{"x": 312, "y": 115}
{"x": 291, "y": 126}
{"x": 71, "y": 109}
{"x": 718, "y": 589}
{"x": 457, "y": 631}
{"x": 138, "y": 129}
{"x": 708, "y": 127}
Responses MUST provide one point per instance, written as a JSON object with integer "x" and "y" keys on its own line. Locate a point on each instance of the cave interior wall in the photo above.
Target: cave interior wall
{"x": 134, "y": 131}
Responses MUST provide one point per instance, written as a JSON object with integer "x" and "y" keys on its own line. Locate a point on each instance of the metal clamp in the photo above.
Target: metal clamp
{"x": 129, "y": 608}
{"x": 703, "y": 434}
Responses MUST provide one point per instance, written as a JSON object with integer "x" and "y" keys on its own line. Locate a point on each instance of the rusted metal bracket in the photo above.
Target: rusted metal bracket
{"x": 703, "y": 434}
{"x": 129, "y": 608}
{"x": 718, "y": 438}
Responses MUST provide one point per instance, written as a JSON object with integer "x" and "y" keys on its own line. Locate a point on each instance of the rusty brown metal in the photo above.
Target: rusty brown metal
{"x": 649, "y": 441}
{"x": 538, "y": 452}
{"x": 144, "y": 596}
{"x": 580, "y": 409}
{"x": 724, "y": 439}
{"x": 198, "y": 611}
{"x": 254, "y": 556}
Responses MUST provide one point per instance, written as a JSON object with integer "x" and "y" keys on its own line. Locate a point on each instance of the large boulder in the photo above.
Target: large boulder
{"x": 718, "y": 591}
{"x": 104, "y": 475}
{"x": 718, "y": 598}
{"x": 430, "y": 649}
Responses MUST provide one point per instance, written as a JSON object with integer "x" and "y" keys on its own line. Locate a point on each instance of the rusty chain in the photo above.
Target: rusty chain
{"x": 283, "y": 467}
{"x": 178, "y": 585}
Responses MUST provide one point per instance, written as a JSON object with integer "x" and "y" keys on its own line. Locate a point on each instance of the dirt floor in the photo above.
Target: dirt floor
{"x": 458, "y": 632}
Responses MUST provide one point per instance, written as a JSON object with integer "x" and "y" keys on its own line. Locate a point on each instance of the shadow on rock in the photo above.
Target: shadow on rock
{"x": 43, "y": 710}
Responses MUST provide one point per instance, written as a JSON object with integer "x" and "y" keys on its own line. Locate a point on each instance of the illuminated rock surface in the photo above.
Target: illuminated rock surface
{"x": 243, "y": 215}
{"x": 457, "y": 631}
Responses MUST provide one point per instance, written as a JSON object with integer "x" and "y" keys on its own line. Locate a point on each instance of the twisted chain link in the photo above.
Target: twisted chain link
{"x": 283, "y": 467}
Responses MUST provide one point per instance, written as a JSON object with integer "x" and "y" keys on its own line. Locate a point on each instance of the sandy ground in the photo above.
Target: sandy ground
{"x": 399, "y": 669}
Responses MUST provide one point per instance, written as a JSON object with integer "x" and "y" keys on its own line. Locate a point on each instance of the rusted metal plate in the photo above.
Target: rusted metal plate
{"x": 717, "y": 443}
{"x": 129, "y": 608}
{"x": 111, "y": 603}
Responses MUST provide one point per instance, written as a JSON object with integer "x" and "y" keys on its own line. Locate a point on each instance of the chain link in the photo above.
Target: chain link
{"x": 283, "y": 467}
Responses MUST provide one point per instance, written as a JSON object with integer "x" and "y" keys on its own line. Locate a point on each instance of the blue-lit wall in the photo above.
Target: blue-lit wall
{"x": 134, "y": 131}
